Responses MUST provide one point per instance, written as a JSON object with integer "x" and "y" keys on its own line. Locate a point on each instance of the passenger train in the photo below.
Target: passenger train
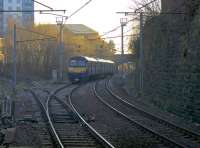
{"x": 83, "y": 68}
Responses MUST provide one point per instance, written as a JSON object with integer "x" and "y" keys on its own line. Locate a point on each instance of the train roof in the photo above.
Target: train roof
{"x": 91, "y": 59}
{"x": 105, "y": 61}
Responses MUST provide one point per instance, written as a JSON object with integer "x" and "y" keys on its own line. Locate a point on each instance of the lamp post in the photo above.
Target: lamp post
{"x": 123, "y": 22}
{"x": 59, "y": 21}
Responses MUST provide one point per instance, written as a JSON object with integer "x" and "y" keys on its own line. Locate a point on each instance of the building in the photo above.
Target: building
{"x": 1, "y": 18}
{"x": 87, "y": 42}
{"x": 28, "y": 17}
{"x": 79, "y": 40}
{"x": 21, "y": 18}
{"x": 2, "y": 57}
{"x": 83, "y": 39}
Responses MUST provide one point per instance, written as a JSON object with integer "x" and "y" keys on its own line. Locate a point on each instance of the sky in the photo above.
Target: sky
{"x": 99, "y": 15}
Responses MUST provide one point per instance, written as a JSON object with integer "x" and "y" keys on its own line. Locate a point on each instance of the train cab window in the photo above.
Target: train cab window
{"x": 77, "y": 63}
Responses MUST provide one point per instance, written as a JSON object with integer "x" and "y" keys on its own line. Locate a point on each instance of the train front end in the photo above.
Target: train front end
{"x": 77, "y": 69}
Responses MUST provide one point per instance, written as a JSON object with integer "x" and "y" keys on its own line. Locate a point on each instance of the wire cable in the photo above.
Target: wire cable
{"x": 42, "y": 4}
{"x": 79, "y": 9}
{"x": 119, "y": 36}
{"x": 116, "y": 28}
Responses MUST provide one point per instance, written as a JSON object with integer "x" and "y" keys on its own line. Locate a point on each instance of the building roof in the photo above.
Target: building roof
{"x": 80, "y": 29}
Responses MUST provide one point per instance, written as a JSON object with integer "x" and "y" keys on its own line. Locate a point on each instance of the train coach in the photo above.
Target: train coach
{"x": 83, "y": 68}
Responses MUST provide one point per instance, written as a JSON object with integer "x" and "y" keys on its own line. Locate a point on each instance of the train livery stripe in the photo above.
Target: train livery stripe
{"x": 77, "y": 69}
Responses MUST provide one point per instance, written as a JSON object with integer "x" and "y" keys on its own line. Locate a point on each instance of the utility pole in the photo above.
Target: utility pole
{"x": 122, "y": 40}
{"x": 14, "y": 75}
{"x": 123, "y": 22}
{"x": 141, "y": 54}
{"x": 14, "y": 61}
{"x": 61, "y": 53}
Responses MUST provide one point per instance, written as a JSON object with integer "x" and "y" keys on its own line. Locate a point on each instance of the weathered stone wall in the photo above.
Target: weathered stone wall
{"x": 173, "y": 5}
{"x": 172, "y": 64}
{"x": 180, "y": 6}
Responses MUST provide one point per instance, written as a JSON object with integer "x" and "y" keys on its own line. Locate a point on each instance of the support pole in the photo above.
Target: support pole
{"x": 123, "y": 22}
{"x": 14, "y": 75}
{"x": 122, "y": 40}
{"x": 141, "y": 54}
{"x": 14, "y": 61}
{"x": 122, "y": 46}
{"x": 61, "y": 54}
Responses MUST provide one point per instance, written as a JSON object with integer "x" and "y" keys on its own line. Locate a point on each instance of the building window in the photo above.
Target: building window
{"x": 18, "y": 1}
{"x": 9, "y": 8}
{"x": 10, "y": 1}
{"x": 18, "y": 8}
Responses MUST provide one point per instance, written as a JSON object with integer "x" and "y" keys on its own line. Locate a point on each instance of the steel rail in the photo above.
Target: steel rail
{"x": 97, "y": 135}
{"x": 51, "y": 123}
{"x": 193, "y": 134}
{"x": 161, "y": 137}
{"x": 44, "y": 111}
{"x": 51, "y": 95}
{"x": 47, "y": 114}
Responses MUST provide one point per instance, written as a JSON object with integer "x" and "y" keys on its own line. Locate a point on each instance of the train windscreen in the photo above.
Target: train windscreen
{"x": 77, "y": 63}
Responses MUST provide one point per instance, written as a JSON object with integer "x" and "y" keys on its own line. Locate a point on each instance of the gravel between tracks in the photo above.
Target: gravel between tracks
{"x": 119, "y": 90}
{"x": 118, "y": 131}
{"x": 28, "y": 130}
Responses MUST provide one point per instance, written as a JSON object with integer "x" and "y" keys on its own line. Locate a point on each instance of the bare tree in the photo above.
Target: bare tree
{"x": 148, "y": 6}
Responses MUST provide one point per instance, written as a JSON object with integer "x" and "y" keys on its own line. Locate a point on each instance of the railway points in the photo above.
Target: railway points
{"x": 72, "y": 115}
{"x": 72, "y": 85}
{"x": 64, "y": 128}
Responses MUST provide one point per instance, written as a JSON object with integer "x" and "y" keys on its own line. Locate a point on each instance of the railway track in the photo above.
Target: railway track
{"x": 66, "y": 126}
{"x": 167, "y": 133}
{"x": 108, "y": 123}
{"x": 46, "y": 138}
{"x": 70, "y": 131}
{"x": 96, "y": 134}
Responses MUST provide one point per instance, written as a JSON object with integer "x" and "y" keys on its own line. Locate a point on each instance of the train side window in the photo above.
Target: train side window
{"x": 95, "y": 68}
{"x": 90, "y": 68}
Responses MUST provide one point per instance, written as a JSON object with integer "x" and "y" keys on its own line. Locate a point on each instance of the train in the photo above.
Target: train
{"x": 83, "y": 68}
